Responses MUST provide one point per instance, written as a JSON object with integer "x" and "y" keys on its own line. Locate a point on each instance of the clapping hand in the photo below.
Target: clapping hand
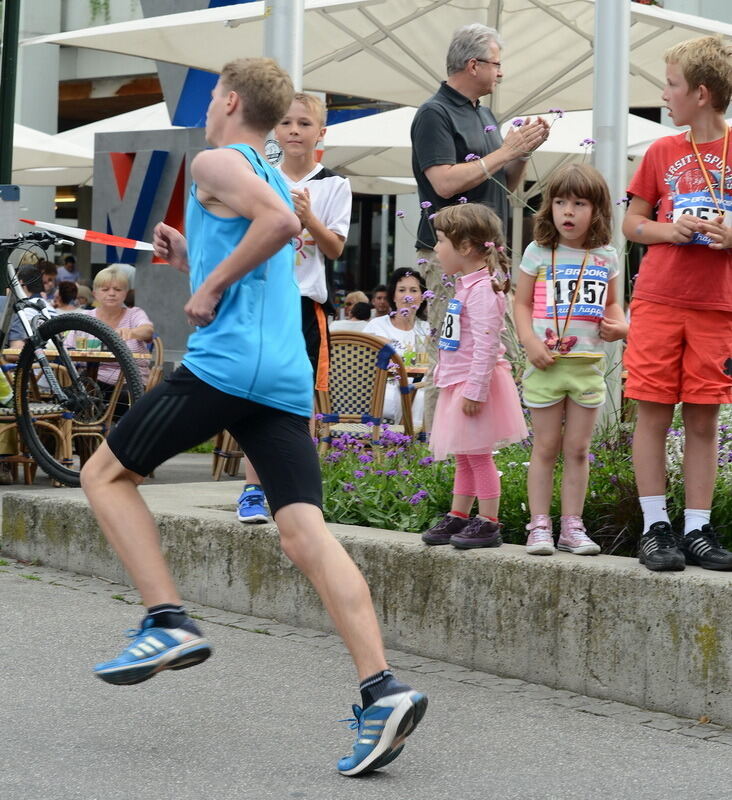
{"x": 521, "y": 140}
{"x": 301, "y": 200}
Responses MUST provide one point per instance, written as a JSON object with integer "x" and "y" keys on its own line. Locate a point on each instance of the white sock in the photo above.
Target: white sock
{"x": 694, "y": 518}
{"x": 654, "y": 510}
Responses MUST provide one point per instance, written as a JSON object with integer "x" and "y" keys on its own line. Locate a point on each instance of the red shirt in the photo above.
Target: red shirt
{"x": 670, "y": 179}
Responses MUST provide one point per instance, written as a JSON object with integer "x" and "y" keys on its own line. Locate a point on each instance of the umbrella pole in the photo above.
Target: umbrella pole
{"x": 610, "y": 120}
{"x": 283, "y": 36}
{"x": 8, "y": 71}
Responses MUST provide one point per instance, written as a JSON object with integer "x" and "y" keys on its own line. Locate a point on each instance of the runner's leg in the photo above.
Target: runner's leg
{"x": 133, "y": 535}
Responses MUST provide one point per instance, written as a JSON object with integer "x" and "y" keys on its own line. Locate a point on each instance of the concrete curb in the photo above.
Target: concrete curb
{"x": 601, "y": 626}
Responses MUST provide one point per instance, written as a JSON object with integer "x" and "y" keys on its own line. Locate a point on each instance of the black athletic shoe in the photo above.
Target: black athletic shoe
{"x": 701, "y": 547}
{"x": 658, "y": 550}
{"x": 444, "y": 529}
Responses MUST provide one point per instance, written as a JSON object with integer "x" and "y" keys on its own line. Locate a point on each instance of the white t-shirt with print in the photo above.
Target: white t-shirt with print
{"x": 330, "y": 201}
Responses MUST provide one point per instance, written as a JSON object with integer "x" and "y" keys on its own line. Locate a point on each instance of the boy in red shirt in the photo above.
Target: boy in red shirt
{"x": 680, "y": 341}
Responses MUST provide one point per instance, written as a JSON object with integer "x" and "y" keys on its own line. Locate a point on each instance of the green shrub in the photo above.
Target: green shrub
{"x": 399, "y": 487}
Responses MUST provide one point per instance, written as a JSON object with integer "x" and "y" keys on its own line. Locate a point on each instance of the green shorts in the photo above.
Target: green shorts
{"x": 580, "y": 379}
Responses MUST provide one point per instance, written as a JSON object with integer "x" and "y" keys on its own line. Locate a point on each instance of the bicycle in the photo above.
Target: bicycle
{"x": 49, "y": 383}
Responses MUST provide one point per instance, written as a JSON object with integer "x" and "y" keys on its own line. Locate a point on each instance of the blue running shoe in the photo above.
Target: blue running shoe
{"x": 250, "y": 505}
{"x": 153, "y": 650}
{"x": 382, "y": 729}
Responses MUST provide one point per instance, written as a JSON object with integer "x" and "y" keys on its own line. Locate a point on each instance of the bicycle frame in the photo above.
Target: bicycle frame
{"x": 28, "y": 311}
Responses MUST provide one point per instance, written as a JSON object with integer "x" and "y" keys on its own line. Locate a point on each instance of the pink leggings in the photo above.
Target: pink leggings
{"x": 476, "y": 476}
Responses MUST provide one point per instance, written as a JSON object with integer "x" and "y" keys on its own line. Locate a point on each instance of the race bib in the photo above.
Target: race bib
{"x": 701, "y": 206}
{"x": 450, "y": 333}
{"x": 590, "y": 300}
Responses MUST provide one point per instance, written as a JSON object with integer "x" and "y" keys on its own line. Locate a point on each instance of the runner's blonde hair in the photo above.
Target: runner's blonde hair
{"x": 264, "y": 87}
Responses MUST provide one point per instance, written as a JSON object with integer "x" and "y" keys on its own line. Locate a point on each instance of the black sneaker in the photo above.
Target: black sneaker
{"x": 658, "y": 550}
{"x": 701, "y": 547}
{"x": 444, "y": 529}
{"x": 478, "y": 533}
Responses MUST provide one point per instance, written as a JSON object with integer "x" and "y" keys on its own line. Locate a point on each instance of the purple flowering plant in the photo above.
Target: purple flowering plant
{"x": 403, "y": 488}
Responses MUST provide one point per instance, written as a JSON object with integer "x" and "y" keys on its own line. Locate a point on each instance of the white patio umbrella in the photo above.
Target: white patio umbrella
{"x": 32, "y": 148}
{"x": 380, "y": 144}
{"x": 149, "y": 118}
{"x": 394, "y": 49}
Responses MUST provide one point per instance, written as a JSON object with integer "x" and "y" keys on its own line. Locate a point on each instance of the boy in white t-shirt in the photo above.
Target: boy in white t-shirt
{"x": 323, "y": 204}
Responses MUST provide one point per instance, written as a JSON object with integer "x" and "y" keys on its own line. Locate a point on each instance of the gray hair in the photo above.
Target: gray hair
{"x": 470, "y": 41}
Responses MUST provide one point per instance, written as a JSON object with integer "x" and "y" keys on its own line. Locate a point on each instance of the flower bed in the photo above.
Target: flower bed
{"x": 402, "y": 488}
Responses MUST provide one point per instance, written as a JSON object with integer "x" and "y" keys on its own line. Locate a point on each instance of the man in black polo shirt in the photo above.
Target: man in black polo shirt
{"x": 453, "y": 126}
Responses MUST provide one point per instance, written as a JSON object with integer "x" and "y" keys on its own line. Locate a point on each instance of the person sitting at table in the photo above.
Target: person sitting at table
{"x": 31, "y": 280}
{"x": 68, "y": 272}
{"x": 84, "y": 297}
{"x": 350, "y": 301}
{"x": 131, "y": 324}
{"x": 49, "y": 273}
{"x": 64, "y": 300}
{"x": 407, "y": 331}
{"x": 356, "y": 319}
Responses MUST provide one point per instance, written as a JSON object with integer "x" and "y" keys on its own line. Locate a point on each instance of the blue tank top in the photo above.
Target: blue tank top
{"x": 254, "y": 348}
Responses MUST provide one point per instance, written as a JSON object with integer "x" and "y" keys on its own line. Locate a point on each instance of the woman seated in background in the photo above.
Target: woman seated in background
{"x": 407, "y": 332}
{"x": 350, "y": 301}
{"x": 131, "y": 324}
{"x": 356, "y": 319}
{"x": 64, "y": 299}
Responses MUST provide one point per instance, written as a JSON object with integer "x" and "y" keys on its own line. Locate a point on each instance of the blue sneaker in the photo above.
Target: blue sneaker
{"x": 153, "y": 650}
{"x": 250, "y": 505}
{"x": 382, "y": 729}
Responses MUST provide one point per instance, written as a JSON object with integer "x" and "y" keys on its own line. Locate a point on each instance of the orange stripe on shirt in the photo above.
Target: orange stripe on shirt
{"x": 321, "y": 375}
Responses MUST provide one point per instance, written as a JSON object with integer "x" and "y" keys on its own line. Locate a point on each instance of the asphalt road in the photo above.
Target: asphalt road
{"x": 260, "y": 719}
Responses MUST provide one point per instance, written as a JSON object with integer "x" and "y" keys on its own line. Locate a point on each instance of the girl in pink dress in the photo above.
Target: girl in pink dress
{"x": 478, "y": 409}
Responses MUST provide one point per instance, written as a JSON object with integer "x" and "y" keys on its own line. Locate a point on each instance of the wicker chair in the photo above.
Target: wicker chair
{"x": 157, "y": 358}
{"x": 354, "y": 403}
{"x": 47, "y": 418}
{"x": 227, "y": 455}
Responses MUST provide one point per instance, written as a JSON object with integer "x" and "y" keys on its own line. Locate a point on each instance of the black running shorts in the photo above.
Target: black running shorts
{"x": 183, "y": 411}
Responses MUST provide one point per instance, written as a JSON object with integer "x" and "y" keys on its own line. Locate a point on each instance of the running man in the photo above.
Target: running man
{"x": 246, "y": 370}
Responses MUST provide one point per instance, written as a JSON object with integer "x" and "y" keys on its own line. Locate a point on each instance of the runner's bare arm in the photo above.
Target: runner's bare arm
{"x": 224, "y": 175}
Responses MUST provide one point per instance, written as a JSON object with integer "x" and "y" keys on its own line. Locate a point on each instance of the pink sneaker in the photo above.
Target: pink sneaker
{"x": 540, "y": 541}
{"x": 574, "y": 539}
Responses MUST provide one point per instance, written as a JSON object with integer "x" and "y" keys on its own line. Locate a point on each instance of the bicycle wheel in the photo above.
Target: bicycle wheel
{"x": 85, "y": 411}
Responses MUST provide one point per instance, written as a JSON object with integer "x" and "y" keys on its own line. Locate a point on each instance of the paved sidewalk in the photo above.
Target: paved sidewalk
{"x": 183, "y": 468}
{"x": 259, "y": 720}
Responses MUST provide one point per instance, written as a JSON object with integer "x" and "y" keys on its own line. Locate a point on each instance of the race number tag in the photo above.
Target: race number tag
{"x": 450, "y": 333}
{"x": 701, "y": 206}
{"x": 590, "y": 300}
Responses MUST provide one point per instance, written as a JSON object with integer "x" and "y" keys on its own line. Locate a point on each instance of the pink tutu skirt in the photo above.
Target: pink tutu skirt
{"x": 499, "y": 422}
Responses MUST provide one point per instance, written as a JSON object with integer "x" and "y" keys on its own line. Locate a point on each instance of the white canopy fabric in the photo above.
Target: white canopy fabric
{"x": 32, "y": 148}
{"x": 395, "y": 49}
{"x": 149, "y": 118}
{"x": 380, "y": 144}
{"x": 366, "y": 149}
{"x": 368, "y": 185}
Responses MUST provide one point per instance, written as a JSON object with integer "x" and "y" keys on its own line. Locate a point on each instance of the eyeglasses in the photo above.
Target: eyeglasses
{"x": 488, "y": 61}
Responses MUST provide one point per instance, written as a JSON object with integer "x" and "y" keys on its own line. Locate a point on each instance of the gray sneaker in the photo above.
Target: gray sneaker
{"x": 444, "y": 529}
{"x": 478, "y": 533}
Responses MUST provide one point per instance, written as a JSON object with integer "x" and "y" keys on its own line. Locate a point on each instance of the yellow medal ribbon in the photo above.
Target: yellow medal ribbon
{"x": 560, "y": 337}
